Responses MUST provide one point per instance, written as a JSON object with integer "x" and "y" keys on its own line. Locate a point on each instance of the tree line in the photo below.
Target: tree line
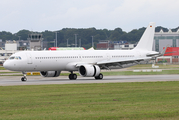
{"x": 83, "y": 35}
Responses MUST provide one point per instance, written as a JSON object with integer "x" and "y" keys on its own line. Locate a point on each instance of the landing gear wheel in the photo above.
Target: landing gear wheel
{"x": 23, "y": 79}
{"x": 72, "y": 76}
{"x": 100, "y": 76}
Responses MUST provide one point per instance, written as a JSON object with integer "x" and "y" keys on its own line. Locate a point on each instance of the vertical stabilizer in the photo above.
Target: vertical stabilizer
{"x": 146, "y": 41}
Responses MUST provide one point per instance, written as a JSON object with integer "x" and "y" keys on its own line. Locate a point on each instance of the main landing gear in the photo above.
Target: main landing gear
{"x": 72, "y": 76}
{"x": 100, "y": 76}
{"x": 24, "y": 78}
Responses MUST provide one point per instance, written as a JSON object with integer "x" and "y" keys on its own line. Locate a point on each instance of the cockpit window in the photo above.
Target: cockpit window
{"x": 11, "y": 58}
{"x": 15, "y": 57}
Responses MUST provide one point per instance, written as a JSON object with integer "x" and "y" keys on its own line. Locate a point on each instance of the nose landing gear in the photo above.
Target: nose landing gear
{"x": 24, "y": 78}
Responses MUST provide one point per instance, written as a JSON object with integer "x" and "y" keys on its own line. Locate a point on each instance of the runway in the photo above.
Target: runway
{"x": 38, "y": 80}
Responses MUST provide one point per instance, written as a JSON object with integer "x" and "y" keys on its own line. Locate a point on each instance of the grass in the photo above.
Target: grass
{"x": 2, "y": 68}
{"x": 9, "y": 72}
{"x": 161, "y": 66}
{"x": 138, "y": 101}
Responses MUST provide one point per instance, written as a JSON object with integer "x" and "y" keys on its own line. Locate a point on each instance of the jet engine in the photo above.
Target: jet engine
{"x": 50, "y": 73}
{"x": 89, "y": 70}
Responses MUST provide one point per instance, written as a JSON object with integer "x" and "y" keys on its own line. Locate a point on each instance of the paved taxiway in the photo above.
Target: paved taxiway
{"x": 38, "y": 80}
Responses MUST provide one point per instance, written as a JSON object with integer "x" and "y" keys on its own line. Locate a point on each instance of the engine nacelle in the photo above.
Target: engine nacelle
{"x": 89, "y": 70}
{"x": 50, "y": 73}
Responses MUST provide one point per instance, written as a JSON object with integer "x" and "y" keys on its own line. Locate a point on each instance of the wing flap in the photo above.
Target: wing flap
{"x": 123, "y": 60}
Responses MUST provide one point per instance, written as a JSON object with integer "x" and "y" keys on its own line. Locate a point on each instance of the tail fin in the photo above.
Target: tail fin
{"x": 146, "y": 41}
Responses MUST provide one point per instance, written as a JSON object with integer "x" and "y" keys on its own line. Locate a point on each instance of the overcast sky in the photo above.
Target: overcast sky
{"x": 41, "y": 15}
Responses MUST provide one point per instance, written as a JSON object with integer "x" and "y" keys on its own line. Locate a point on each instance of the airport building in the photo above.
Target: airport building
{"x": 35, "y": 41}
{"x": 124, "y": 46}
{"x": 162, "y": 39}
{"x": 2, "y": 44}
{"x": 168, "y": 39}
{"x": 104, "y": 45}
{"x": 114, "y": 45}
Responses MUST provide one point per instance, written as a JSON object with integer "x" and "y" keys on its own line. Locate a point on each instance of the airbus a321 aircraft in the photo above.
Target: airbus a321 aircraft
{"x": 87, "y": 62}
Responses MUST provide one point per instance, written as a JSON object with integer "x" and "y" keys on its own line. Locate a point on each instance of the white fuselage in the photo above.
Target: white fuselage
{"x": 66, "y": 60}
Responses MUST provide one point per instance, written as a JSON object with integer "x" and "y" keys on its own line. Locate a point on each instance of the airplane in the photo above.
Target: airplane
{"x": 88, "y": 63}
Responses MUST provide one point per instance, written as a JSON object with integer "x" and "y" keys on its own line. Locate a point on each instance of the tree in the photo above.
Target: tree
{"x": 23, "y": 34}
{"x": 157, "y": 29}
{"x": 84, "y": 34}
{"x": 6, "y": 35}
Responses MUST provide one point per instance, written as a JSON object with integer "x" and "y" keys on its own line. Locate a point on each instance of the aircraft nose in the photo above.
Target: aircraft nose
{"x": 6, "y": 65}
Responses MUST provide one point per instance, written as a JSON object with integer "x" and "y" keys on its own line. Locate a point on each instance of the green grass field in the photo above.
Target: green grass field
{"x": 148, "y": 100}
{"x": 161, "y": 66}
{"x": 2, "y": 68}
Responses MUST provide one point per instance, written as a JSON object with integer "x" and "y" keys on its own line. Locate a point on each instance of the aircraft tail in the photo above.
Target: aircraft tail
{"x": 146, "y": 41}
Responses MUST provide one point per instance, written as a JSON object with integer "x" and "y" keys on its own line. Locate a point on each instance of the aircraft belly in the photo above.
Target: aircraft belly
{"x": 53, "y": 65}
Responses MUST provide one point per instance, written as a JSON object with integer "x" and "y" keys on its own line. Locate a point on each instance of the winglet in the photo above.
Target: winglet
{"x": 146, "y": 41}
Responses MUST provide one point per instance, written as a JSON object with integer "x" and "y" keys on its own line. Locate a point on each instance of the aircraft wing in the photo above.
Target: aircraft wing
{"x": 118, "y": 62}
{"x": 123, "y": 60}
